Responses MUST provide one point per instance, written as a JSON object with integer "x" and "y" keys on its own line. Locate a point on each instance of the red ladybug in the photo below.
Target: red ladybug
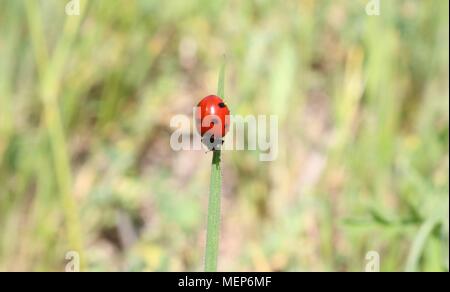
{"x": 212, "y": 120}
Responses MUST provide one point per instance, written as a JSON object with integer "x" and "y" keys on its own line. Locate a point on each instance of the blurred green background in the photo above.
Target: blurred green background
{"x": 85, "y": 160}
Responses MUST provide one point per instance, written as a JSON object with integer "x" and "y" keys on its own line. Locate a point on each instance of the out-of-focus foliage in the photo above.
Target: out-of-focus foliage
{"x": 85, "y": 160}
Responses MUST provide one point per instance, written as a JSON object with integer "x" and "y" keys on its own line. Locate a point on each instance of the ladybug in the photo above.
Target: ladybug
{"x": 212, "y": 118}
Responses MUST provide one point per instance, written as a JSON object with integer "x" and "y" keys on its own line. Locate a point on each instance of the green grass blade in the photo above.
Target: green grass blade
{"x": 213, "y": 228}
{"x": 50, "y": 69}
{"x": 221, "y": 81}
{"x": 418, "y": 245}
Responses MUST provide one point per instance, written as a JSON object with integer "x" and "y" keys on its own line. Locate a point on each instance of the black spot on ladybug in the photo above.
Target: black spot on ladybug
{"x": 222, "y": 105}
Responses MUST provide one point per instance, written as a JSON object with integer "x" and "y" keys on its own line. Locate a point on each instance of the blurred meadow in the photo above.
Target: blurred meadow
{"x": 86, "y": 164}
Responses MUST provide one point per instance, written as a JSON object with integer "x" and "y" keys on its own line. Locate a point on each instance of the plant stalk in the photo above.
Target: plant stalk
{"x": 213, "y": 228}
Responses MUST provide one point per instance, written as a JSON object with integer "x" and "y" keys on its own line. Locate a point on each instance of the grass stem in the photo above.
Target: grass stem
{"x": 213, "y": 228}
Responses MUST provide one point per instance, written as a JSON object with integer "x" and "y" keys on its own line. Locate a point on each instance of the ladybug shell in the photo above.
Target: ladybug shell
{"x": 209, "y": 111}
